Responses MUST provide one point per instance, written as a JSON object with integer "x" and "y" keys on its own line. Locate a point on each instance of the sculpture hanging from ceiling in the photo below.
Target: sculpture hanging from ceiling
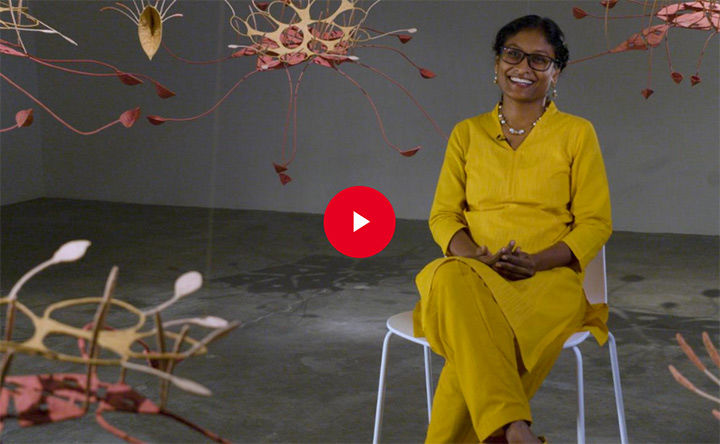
{"x": 714, "y": 357}
{"x": 149, "y": 17}
{"x": 45, "y": 398}
{"x": 15, "y": 17}
{"x": 657, "y": 20}
{"x": 284, "y": 34}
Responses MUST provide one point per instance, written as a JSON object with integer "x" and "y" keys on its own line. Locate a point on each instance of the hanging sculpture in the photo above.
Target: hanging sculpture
{"x": 703, "y": 15}
{"x": 45, "y": 398}
{"x": 149, "y": 17}
{"x": 714, "y": 356}
{"x": 15, "y": 17}
{"x": 282, "y": 34}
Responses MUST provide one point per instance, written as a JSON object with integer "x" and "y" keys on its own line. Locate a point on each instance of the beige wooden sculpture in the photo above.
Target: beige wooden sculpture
{"x": 57, "y": 395}
{"x": 149, "y": 16}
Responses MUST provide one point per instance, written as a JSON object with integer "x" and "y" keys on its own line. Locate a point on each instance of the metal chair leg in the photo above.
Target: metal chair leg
{"x": 618, "y": 388}
{"x": 581, "y": 397}
{"x": 428, "y": 379}
{"x": 381, "y": 390}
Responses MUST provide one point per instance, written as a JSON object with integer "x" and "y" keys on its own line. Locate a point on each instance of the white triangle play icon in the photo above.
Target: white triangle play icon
{"x": 358, "y": 221}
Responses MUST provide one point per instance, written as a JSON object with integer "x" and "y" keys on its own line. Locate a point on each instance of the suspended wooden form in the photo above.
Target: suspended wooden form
{"x": 149, "y": 16}
{"x": 703, "y": 15}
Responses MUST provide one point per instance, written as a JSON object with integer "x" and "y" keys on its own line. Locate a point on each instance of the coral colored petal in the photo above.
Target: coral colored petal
{"x": 676, "y": 76}
{"x": 427, "y": 73}
{"x": 163, "y": 92}
{"x": 284, "y": 178}
{"x": 129, "y": 117}
{"x": 24, "y": 117}
{"x": 609, "y": 3}
{"x": 578, "y": 13}
{"x": 128, "y": 79}
{"x": 647, "y": 92}
{"x": 244, "y": 52}
{"x": 694, "y": 80}
{"x": 321, "y": 61}
{"x": 411, "y": 152}
{"x": 279, "y": 168}
{"x": 156, "y": 120}
{"x": 10, "y": 51}
{"x": 404, "y": 38}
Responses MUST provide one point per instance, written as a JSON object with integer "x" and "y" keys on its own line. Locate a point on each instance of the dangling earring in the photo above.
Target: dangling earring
{"x": 554, "y": 91}
{"x": 495, "y": 78}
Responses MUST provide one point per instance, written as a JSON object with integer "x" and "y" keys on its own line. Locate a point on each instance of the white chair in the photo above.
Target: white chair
{"x": 596, "y": 291}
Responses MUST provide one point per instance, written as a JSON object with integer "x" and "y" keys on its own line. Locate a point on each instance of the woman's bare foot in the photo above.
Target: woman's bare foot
{"x": 519, "y": 433}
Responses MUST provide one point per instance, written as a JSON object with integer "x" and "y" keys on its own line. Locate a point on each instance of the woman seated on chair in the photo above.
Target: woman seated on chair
{"x": 521, "y": 207}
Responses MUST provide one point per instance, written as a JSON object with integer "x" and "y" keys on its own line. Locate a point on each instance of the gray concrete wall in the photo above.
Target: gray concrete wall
{"x": 21, "y": 168}
{"x": 661, "y": 153}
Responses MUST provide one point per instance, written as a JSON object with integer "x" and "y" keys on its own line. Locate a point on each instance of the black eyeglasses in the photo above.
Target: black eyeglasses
{"x": 538, "y": 62}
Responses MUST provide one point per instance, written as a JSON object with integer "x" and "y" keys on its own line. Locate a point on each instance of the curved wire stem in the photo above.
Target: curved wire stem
{"x": 217, "y": 104}
{"x": 407, "y": 93}
{"x": 55, "y": 116}
{"x": 374, "y": 108}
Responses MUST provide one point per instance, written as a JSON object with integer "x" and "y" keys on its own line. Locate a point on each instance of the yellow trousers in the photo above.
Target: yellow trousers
{"x": 484, "y": 384}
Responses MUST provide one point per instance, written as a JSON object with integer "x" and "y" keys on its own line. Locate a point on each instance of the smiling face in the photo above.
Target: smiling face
{"x": 520, "y": 82}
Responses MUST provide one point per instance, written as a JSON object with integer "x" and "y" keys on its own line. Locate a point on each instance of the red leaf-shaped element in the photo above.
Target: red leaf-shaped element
{"x": 244, "y": 52}
{"x": 694, "y": 80}
{"x": 319, "y": 60}
{"x": 648, "y": 38}
{"x": 10, "y": 51}
{"x": 284, "y": 178}
{"x": 676, "y": 76}
{"x": 156, "y": 120}
{"x": 578, "y": 13}
{"x": 411, "y": 152}
{"x": 404, "y": 38}
{"x": 128, "y": 79}
{"x": 647, "y": 92}
{"x": 279, "y": 168}
{"x": 426, "y": 73}
{"x": 24, "y": 117}
{"x": 163, "y": 92}
{"x": 129, "y": 117}
{"x": 609, "y": 3}
{"x": 262, "y": 5}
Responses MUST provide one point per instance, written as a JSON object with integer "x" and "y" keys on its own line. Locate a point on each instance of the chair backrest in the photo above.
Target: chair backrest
{"x": 595, "y": 283}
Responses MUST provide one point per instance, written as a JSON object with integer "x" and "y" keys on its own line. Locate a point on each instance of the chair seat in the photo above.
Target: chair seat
{"x": 401, "y": 324}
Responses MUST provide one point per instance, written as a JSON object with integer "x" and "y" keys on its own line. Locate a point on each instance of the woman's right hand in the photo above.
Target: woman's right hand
{"x": 462, "y": 245}
{"x": 484, "y": 255}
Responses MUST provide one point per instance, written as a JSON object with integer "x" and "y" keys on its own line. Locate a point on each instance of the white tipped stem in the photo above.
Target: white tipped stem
{"x": 207, "y": 322}
{"x": 184, "y": 285}
{"x": 181, "y": 383}
{"x": 71, "y": 251}
{"x": 410, "y": 30}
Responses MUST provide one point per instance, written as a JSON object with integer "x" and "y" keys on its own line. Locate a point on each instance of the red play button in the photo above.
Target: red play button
{"x": 359, "y": 221}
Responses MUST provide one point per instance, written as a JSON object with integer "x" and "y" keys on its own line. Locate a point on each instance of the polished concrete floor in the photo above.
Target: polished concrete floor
{"x": 303, "y": 366}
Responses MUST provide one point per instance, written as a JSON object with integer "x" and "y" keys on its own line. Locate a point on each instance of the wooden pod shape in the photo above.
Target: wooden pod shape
{"x": 150, "y": 30}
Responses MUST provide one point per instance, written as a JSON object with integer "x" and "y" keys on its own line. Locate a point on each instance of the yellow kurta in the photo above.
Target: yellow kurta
{"x": 552, "y": 188}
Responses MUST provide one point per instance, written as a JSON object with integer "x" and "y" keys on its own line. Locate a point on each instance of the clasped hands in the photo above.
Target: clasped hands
{"x": 510, "y": 262}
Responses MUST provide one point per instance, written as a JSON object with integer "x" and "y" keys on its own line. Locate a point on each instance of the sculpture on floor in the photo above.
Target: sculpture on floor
{"x": 703, "y": 15}
{"x": 15, "y": 17}
{"x": 282, "y": 34}
{"x": 714, "y": 356}
{"x": 44, "y": 398}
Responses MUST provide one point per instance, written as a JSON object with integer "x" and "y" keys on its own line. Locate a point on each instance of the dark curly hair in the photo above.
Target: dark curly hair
{"x": 552, "y": 32}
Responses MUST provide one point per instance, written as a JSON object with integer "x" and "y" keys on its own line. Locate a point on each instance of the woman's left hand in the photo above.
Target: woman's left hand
{"x": 515, "y": 265}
